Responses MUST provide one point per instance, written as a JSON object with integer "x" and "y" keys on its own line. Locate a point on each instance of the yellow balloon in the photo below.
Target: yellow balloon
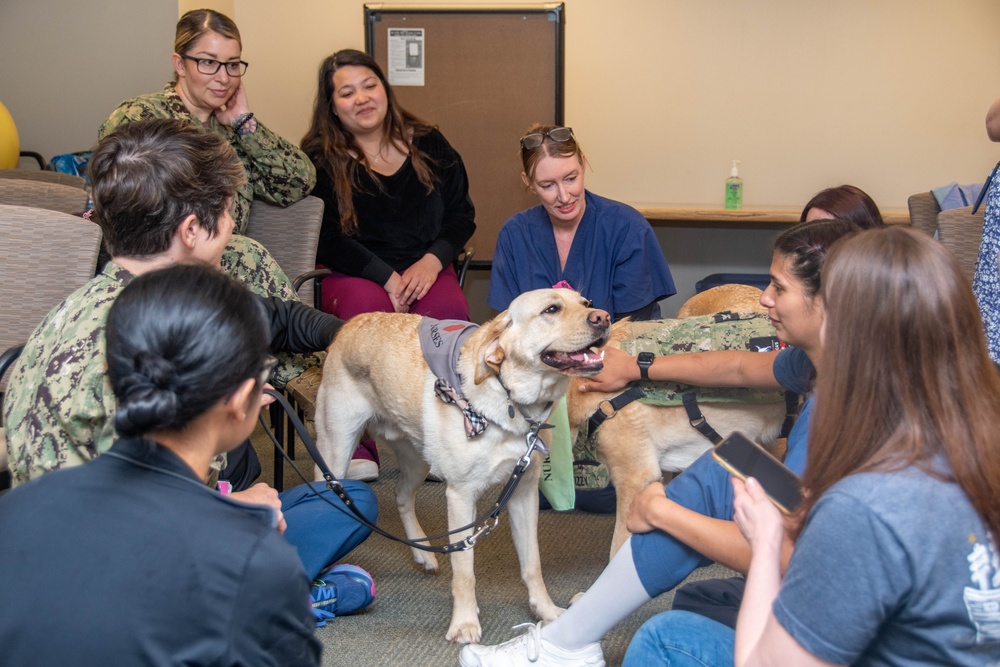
{"x": 10, "y": 145}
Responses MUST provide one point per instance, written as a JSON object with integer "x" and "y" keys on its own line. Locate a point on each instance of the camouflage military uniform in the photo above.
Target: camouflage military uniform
{"x": 745, "y": 331}
{"x": 703, "y": 334}
{"x": 277, "y": 172}
{"x": 58, "y": 405}
{"x": 250, "y": 263}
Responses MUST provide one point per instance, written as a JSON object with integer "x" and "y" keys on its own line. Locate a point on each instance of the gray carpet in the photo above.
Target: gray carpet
{"x": 408, "y": 620}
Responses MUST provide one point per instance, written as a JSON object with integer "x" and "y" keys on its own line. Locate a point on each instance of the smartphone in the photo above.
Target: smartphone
{"x": 744, "y": 458}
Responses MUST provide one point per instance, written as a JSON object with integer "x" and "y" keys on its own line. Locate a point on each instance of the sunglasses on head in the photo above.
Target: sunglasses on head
{"x": 556, "y": 134}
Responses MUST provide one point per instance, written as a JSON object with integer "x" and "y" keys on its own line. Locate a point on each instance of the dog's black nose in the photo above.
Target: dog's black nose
{"x": 600, "y": 319}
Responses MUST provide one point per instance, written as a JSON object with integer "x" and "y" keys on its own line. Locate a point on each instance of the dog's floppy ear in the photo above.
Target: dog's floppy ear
{"x": 490, "y": 354}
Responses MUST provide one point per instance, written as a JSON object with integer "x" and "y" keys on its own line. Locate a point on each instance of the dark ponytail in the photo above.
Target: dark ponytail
{"x": 805, "y": 245}
{"x": 179, "y": 340}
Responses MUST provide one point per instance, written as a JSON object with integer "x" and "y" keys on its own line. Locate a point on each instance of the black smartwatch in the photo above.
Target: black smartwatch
{"x": 645, "y": 360}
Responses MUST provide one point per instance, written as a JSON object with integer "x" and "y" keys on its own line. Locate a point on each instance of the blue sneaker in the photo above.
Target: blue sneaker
{"x": 341, "y": 590}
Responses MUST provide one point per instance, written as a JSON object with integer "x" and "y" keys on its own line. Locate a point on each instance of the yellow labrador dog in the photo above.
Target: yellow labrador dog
{"x": 510, "y": 370}
{"x": 643, "y": 441}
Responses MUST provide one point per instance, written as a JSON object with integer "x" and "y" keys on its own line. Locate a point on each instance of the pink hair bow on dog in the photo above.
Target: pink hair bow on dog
{"x": 562, "y": 284}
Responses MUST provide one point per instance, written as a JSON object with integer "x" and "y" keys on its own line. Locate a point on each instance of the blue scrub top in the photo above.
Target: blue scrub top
{"x": 615, "y": 260}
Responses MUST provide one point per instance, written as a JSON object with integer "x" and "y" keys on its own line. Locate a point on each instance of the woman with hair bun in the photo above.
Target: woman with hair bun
{"x": 168, "y": 570}
{"x": 896, "y": 558}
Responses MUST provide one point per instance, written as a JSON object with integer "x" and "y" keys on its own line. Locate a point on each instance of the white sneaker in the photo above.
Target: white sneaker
{"x": 530, "y": 649}
{"x": 364, "y": 470}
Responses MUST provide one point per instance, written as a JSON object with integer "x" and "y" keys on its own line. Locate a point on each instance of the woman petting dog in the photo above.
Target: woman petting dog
{"x": 903, "y": 439}
{"x": 601, "y": 248}
{"x": 397, "y": 212}
{"x": 689, "y": 523}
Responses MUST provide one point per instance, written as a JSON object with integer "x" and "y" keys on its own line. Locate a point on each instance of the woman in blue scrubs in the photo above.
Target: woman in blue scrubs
{"x": 601, "y": 248}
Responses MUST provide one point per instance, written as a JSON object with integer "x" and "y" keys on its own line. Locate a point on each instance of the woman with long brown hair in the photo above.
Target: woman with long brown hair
{"x": 397, "y": 198}
{"x": 397, "y": 206}
{"x": 896, "y": 558}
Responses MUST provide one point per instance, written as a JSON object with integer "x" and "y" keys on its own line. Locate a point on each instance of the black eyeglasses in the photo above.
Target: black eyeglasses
{"x": 556, "y": 134}
{"x": 209, "y": 66}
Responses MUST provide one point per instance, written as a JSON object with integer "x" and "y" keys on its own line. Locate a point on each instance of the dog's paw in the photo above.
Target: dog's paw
{"x": 546, "y": 612}
{"x": 576, "y": 598}
{"x": 468, "y": 632}
{"x": 426, "y": 560}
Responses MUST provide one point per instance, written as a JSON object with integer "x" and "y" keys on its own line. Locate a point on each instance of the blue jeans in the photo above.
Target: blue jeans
{"x": 662, "y": 561}
{"x": 681, "y": 639}
{"x": 322, "y": 534}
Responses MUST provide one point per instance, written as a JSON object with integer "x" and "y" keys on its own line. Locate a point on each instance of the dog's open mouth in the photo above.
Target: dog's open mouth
{"x": 588, "y": 361}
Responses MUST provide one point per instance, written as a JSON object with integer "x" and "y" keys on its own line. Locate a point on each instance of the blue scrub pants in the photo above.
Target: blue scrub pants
{"x": 323, "y": 534}
{"x": 662, "y": 561}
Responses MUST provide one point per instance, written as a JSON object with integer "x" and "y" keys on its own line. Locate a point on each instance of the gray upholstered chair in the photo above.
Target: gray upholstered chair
{"x": 39, "y": 194}
{"x": 924, "y": 211}
{"x": 291, "y": 235}
{"x": 962, "y": 232}
{"x": 45, "y": 176}
{"x": 46, "y": 256}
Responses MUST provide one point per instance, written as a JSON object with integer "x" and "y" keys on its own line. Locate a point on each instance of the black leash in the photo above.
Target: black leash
{"x": 481, "y": 527}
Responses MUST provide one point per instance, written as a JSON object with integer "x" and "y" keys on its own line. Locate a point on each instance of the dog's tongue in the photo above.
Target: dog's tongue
{"x": 585, "y": 357}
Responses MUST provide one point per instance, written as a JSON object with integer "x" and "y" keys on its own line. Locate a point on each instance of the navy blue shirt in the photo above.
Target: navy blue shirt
{"x": 129, "y": 559}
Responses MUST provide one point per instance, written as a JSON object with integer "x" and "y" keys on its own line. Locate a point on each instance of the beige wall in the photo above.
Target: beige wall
{"x": 65, "y": 65}
{"x": 887, "y": 94}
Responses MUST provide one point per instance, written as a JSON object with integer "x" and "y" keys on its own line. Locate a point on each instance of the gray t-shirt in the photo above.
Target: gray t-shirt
{"x": 894, "y": 569}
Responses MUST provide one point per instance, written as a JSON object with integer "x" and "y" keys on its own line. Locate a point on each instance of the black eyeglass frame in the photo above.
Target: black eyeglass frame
{"x": 219, "y": 64}
{"x": 536, "y": 139}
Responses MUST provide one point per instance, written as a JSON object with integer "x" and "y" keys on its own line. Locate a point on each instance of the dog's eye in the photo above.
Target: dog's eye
{"x": 588, "y": 303}
{"x": 551, "y": 310}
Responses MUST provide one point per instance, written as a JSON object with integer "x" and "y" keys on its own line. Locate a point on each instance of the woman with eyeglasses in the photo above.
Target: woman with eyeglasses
{"x": 397, "y": 198}
{"x": 601, "y": 248}
{"x": 155, "y": 567}
{"x": 208, "y": 92}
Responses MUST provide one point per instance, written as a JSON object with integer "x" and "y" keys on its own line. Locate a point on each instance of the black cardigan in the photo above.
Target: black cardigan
{"x": 398, "y": 220}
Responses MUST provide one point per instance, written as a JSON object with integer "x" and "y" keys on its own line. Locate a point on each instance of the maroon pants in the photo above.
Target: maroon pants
{"x": 346, "y": 296}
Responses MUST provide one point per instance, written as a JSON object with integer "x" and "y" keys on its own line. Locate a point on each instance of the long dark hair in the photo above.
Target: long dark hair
{"x": 905, "y": 375}
{"x": 332, "y": 147}
{"x": 178, "y": 341}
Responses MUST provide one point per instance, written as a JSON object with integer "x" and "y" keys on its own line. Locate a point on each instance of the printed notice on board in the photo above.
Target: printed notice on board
{"x": 406, "y": 56}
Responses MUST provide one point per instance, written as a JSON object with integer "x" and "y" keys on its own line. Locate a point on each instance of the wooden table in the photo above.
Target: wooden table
{"x": 716, "y": 217}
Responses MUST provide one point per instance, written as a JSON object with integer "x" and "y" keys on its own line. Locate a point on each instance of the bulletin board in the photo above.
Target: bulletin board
{"x": 483, "y": 75}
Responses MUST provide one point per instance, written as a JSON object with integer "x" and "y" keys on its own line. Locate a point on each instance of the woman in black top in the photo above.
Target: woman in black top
{"x": 397, "y": 198}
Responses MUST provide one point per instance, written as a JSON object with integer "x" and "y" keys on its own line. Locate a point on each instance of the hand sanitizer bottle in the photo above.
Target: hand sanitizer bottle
{"x": 734, "y": 189}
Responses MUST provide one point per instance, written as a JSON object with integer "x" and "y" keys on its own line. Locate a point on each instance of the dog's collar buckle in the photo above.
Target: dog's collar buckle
{"x": 534, "y": 442}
